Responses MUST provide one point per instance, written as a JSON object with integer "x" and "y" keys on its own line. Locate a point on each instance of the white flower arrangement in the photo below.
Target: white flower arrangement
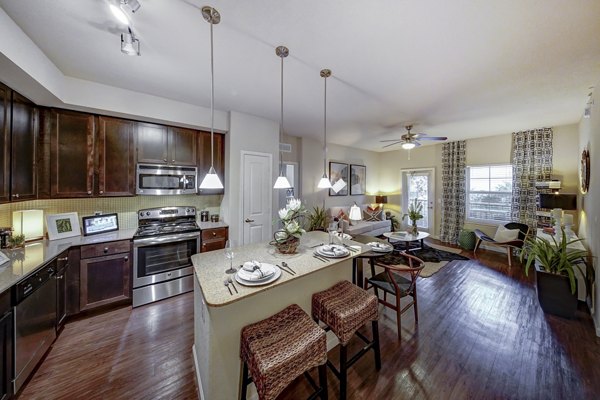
{"x": 289, "y": 218}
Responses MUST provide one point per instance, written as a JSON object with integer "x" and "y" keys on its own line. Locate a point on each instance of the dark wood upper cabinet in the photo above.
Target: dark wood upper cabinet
{"x": 71, "y": 153}
{"x": 23, "y": 143}
{"x": 204, "y": 159}
{"x": 152, "y": 144}
{"x": 5, "y": 107}
{"x": 115, "y": 149}
{"x": 182, "y": 146}
{"x": 158, "y": 144}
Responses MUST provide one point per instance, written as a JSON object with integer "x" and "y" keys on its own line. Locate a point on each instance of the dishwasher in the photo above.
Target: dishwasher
{"x": 35, "y": 320}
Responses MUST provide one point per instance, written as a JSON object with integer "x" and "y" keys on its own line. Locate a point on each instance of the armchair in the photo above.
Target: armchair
{"x": 508, "y": 245}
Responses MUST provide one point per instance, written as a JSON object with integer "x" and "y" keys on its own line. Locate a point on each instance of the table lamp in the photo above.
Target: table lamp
{"x": 381, "y": 200}
{"x": 355, "y": 213}
{"x": 29, "y": 223}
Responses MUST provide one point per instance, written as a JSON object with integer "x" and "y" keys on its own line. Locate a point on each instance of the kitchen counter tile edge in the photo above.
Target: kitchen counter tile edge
{"x": 209, "y": 268}
{"x": 23, "y": 262}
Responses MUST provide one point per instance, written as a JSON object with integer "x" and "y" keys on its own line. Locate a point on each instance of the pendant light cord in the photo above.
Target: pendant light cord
{"x": 212, "y": 95}
{"x": 281, "y": 125}
{"x": 325, "y": 130}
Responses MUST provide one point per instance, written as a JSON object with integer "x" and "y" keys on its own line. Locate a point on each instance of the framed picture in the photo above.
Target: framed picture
{"x": 337, "y": 172}
{"x": 100, "y": 224}
{"x": 62, "y": 225}
{"x": 358, "y": 179}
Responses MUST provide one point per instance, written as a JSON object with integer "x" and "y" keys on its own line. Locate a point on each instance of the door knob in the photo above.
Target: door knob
{"x": 249, "y": 220}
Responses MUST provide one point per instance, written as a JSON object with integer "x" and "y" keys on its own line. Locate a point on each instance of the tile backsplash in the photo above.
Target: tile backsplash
{"x": 125, "y": 207}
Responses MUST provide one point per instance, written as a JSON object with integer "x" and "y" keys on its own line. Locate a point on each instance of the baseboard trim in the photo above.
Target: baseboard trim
{"x": 197, "y": 371}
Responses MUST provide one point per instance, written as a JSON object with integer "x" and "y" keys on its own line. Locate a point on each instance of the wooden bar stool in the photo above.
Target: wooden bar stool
{"x": 280, "y": 348}
{"x": 344, "y": 308}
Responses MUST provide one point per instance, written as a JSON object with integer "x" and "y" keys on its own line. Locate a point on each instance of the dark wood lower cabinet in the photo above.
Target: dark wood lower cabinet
{"x": 214, "y": 239}
{"x": 6, "y": 346}
{"x": 61, "y": 289}
{"x": 104, "y": 280}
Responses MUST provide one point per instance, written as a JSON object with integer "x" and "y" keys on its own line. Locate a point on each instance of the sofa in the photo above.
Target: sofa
{"x": 363, "y": 227}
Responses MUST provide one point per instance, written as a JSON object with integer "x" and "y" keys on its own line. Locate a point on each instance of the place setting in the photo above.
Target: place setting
{"x": 380, "y": 247}
{"x": 327, "y": 251}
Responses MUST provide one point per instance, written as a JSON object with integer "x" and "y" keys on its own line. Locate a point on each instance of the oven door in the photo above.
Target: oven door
{"x": 163, "y": 258}
{"x": 165, "y": 180}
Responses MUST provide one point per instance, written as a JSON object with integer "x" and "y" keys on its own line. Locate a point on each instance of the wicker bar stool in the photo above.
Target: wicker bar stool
{"x": 344, "y": 308}
{"x": 277, "y": 350}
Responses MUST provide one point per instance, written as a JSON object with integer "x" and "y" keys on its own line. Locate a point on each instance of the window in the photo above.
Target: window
{"x": 489, "y": 193}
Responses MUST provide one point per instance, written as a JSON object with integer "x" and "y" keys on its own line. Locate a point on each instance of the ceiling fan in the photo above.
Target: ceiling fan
{"x": 411, "y": 140}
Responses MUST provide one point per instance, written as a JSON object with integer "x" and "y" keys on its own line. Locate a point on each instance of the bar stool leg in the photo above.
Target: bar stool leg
{"x": 244, "y": 380}
{"x": 375, "y": 326}
{"x": 323, "y": 381}
{"x": 343, "y": 371}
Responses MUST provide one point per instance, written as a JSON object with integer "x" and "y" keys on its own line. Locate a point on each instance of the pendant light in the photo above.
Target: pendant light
{"x": 281, "y": 182}
{"x": 211, "y": 179}
{"x": 324, "y": 183}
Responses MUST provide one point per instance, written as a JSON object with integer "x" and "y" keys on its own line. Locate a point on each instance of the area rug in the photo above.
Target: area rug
{"x": 435, "y": 256}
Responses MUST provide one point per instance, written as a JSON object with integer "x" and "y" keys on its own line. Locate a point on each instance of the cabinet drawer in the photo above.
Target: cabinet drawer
{"x": 216, "y": 233}
{"x": 210, "y": 245}
{"x": 104, "y": 249}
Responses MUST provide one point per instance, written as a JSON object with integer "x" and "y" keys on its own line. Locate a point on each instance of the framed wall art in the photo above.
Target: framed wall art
{"x": 337, "y": 172}
{"x": 62, "y": 225}
{"x": 358, "y": 180}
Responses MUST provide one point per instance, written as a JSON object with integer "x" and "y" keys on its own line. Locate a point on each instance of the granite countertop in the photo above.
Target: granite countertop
{"x": 210, "y": 267}
{"x": 27, "y": 260}
{"x": 212, "y": 225}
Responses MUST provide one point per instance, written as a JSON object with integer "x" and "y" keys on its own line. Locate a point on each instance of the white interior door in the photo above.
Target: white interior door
{"x": 420, "y": 184}
{"x": 257, "y": 196}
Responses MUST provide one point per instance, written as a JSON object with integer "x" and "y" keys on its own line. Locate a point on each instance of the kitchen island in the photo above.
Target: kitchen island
{"x": 219, "y": 316}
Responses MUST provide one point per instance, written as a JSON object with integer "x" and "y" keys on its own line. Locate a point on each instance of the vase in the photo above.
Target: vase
{"x": 289, "y": 246}
{"x": 415, "y": 230}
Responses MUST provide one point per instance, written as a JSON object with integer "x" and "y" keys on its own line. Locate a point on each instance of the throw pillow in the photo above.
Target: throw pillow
{"x": 506, "y": 235}
{"x": 372, "y": 214}
{"x": 342, "y": 216}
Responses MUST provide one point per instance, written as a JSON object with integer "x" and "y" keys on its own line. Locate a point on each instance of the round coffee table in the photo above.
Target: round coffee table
{"x": 407, "y": 238}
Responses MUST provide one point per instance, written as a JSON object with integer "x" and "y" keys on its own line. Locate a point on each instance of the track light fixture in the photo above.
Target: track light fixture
{"x": 130, "y": 45}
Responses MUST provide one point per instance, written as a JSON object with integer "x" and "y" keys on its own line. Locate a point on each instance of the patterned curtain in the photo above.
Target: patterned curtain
{"x": 453, "y": 190}
{"x": 531, "y": 162}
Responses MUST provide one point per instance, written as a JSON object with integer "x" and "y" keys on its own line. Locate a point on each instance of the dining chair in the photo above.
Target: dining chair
{"x": 399, "y": 280}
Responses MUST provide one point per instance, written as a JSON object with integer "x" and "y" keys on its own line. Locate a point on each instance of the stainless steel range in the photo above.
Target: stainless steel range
{"x": 166, "y": 239}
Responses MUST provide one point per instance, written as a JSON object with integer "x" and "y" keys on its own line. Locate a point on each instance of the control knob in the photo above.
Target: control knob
{"x": 147, "y": 213}
{"x": 141, "y": 214}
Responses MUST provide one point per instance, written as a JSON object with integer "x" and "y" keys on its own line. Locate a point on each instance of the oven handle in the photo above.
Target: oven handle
{"x": 180, "y": 237}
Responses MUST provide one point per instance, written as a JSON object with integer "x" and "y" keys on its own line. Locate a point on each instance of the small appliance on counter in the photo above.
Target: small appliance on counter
{"x": 5, "y": 233}
{"x": 214, "y": 218}
{"x": 203, "y": 216}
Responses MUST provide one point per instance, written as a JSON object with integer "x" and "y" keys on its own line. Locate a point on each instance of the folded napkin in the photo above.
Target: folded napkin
{"x": 379, "y": 245}
{"x": 248, "y": 272}
{"x": 343, "y": 235}
{"x": 334, "y": 250}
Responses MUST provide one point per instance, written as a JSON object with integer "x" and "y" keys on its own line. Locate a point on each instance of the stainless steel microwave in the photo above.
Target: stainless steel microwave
{"x": 155, "y": 179}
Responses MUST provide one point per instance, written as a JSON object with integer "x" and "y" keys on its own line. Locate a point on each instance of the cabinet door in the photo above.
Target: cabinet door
{"x": 182, "y": 146}
{"x": 23, "y": 143}
{"x": 152, "y": 143}
{"x": 6, "y": 355}
{"x": 204, "y": 159}
{"x": 116, "y": 157}
{"x": 4, "y": 143}
{"x": 71, "y": 154}
{"x": 104, "y": 280}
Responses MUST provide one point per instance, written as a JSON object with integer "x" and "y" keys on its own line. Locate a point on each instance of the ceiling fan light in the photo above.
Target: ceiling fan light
{"x": 211, "y": 180}
{"x": 324, "y": 183}
{"x": 282, "y": 183}
{"x": 408, "y": 146}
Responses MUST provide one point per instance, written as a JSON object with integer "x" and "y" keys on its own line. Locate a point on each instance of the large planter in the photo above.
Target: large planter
{"x": 554, "y": 294}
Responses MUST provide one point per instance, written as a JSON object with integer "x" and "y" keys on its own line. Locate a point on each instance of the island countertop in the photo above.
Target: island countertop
{"x": 210, "y": 267}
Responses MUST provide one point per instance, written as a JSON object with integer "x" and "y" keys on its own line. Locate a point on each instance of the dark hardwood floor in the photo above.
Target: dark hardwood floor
{"x": 481, "y": 334}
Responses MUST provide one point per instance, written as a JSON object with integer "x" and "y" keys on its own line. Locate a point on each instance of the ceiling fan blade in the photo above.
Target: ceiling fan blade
{"x": 390, "y": 140}
{"x": 391, "y": 144}
{"x": 433, "y": 138}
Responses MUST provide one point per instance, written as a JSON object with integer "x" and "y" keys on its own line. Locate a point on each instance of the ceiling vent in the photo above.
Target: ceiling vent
{"x": 285, "y": 147}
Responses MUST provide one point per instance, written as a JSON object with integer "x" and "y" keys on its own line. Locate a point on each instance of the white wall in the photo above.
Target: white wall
{"x": 589, "y": 217}
{"x": 247, "y": 133}
{"x": 312, "y": 170}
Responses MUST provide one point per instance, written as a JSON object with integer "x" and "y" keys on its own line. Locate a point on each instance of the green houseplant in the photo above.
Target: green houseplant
{"x": 555, "y": 267}
{"x": 317, "y": 219}
{"x": 415, "y": 210}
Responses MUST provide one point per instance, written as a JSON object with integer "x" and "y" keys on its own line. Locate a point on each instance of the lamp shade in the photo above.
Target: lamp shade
{"x": 355, "y": 214}
{"x": 282, "y": 183}
{"x": 381, "y": 199}
{"x": 324, "y": 183}
{"x": 29, "y": 223}
{"x": 211, "y": 180}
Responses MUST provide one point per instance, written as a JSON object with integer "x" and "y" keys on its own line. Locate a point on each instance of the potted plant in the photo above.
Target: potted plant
{"x": 287, "y": 239}
{"x": 415, "y": 210}
{"x": 317, "y": 219}
{"x": 16, "y": 241}
{"x": 555, "y": 272}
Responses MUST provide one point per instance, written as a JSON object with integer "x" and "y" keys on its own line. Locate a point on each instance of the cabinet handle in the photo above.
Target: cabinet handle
{"x": 63, "y": 258}
{"x": 102, "y": 192}
{"x": 106, "y": 249}
{"x": 214, "y": 233}
{"x": 173, "y": 161}
{"x": 89, "y": 192}
{"x": 15, "y": 196}
{"x": 164, "y": 159}
{"x": 126, "y": 258}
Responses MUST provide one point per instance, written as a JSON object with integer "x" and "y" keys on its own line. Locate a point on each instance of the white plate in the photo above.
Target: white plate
{"x": 385, "y": 249}
{"x": 320, "y": 252}
{"x": 270, "y": 268}
{"x": 273, "y": 278}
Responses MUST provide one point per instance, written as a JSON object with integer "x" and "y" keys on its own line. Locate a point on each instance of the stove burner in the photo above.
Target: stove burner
{"x": 152, "y": 222}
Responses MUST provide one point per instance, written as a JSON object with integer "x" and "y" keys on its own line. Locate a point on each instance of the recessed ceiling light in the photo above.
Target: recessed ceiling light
{"x": 119, "y": 14}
